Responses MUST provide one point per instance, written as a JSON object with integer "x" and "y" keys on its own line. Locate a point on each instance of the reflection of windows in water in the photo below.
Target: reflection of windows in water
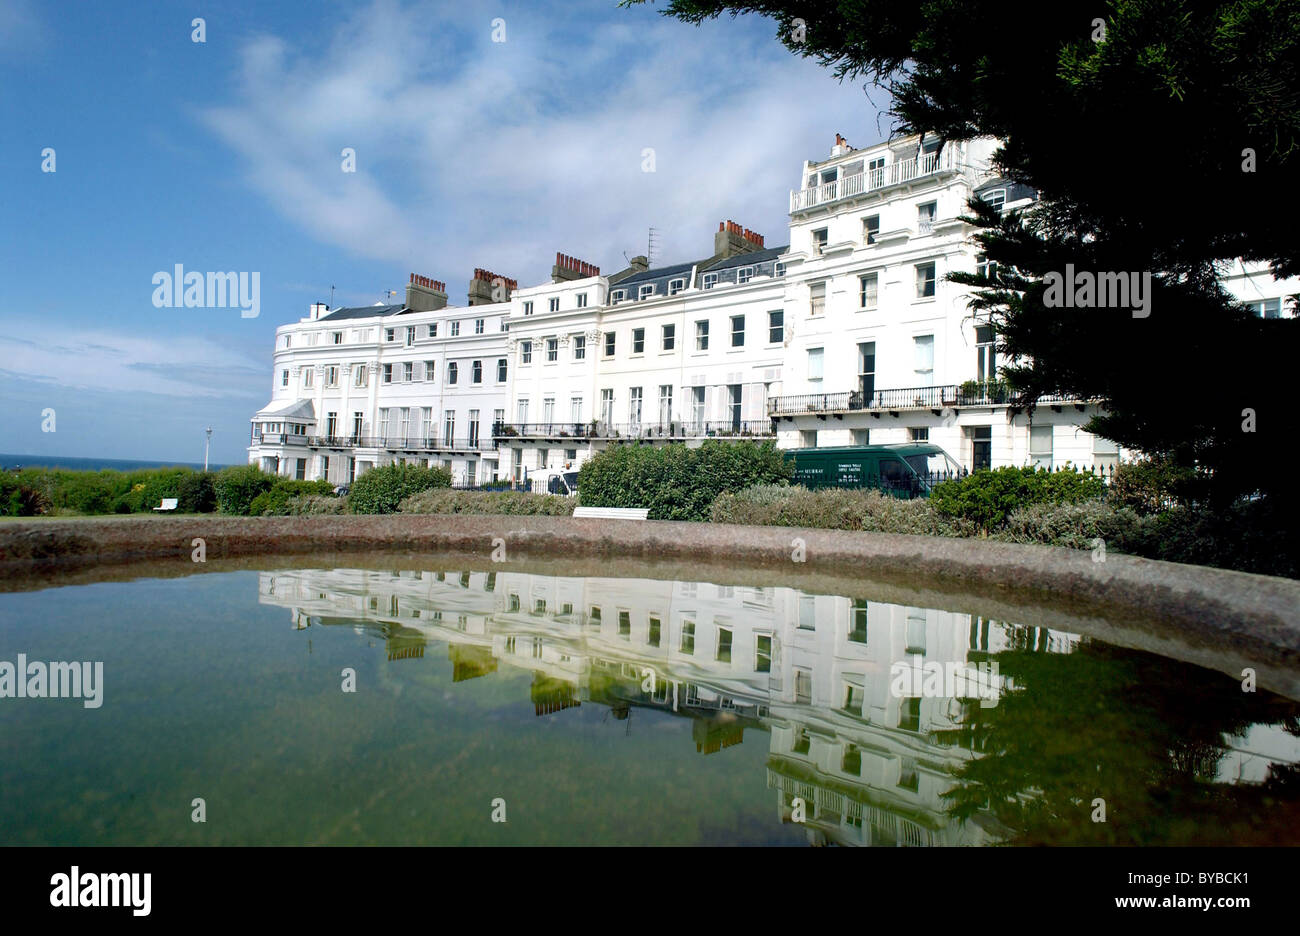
{"x": 692, "y": 695}
{"x": 625, "y": 624}
{"x": 763, "y": 653}
{"x": 724, "y": 645}
{"x": 539, "y": 606}
{"x": 566, "y": 609}
{"x": 858, "y": 622}
{"x": 537, "y": 648}
{"x": 594, "y": 615}
{"x": 726, "y": 591}
{"x": 462, "y": 621}
{"x": 851, "y": 762}
{"x": 690, "y": 589}
{"x": 853, "y": 696}
{"x": 392, "y": 605}
{"x": 909, "y": 714}
{"x": 807, "y": 613}
{"x": 490, "y": 583}
{"x": 441, "y": 576}
{"x": 907, "y": 775}
{"x": 726, "y": 703}
{"x": 654, "y": 632}
{"x": 688, "y": 639}
{"x": 437, "y": 617}
{"x": 510, "y": 645}
{"x": 514, "y": 602}
{"x": 464, "y": 580}
{"x": 916, "y": 630}
{"x": 802, "y": 744}
{"x": 802, "y": 686}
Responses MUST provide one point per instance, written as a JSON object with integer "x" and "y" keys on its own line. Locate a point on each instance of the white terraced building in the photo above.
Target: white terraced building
{"x": 848, "y": 336}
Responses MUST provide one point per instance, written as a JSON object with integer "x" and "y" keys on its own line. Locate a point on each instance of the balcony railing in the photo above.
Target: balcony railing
{"x": 991, "y": 393}
{"x": 897, "y": 173}
{"x": 731, "y": 428}
{"x": 422, "y": 443}
{"x": 279, "y": 438}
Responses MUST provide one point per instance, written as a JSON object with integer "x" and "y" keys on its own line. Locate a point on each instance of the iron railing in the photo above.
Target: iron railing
{"x": 972, "y": 393}
{"x": 684, "y": 429}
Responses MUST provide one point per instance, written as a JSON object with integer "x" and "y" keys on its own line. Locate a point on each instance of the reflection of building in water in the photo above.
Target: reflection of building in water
{"x": 813, "y": 671}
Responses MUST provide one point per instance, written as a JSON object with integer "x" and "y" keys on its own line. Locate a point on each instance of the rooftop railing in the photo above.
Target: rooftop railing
{"x": 896, "y": 173}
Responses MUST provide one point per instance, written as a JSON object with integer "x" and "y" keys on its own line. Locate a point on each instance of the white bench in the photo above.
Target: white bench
{"x": 612, "y": 513}
{"x": 168, "y": 503}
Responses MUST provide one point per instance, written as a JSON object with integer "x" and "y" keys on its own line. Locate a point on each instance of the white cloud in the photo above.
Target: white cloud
{"x": 473, "y": 153}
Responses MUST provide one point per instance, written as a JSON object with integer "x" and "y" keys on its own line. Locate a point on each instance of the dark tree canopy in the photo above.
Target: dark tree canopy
{"x": 1164, "y": 139}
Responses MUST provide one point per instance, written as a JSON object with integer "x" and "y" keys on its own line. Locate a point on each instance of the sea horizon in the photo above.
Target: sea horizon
{"x": 9, "y": 462}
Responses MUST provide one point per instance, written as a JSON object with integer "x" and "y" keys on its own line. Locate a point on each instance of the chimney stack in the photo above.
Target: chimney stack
{"x": 841, "y": 146}
{"x": 425, "y": 295}
{"x": 571, "y": 268}
{"x": 733, "y": 239}
{"x": 488, "y": 287}
{"x": 317, "y": 310}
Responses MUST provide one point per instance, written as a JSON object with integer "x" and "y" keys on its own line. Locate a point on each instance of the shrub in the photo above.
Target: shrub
{"x": 986, "y": 498}
{"x": 276, "y": 500}
{"x": 21, "y": 500}
{"x": 381, "y": 490}
{"x": 238, "y": 486}
{"x": 308, "y": 504}
{"x": 676, "y": 482}
{"x": 1154, "y": 484}
{"x": 1076, "y": 525}
{"x": 518, "y": 503}
{"x": 196, "y": 493}
{"x": 830, "y": 509}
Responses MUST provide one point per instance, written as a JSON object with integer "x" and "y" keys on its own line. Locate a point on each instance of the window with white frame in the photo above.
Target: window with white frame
{"x": 607, "y": 406}
{"x": 634, "y": 406}
{"x": 410, "y": 335}
{"x": 638, "y": 341}
{"x": 665, "y": 404}
{"x": 997, "y": 198}
{"x": 776, "y": 326}
{"x": 710, "y": 280}
{"x": 478, "y": 326}
{"x": 646, "y": 291}
{"x": 744, "y": 274}
{"x": 388, "y": 373}
{"x": 552, "y": 350}
{"x": 390, "y": 334}
{"x": 923, "y": 357}
{"x": 925, "y": 273}
{"x": 337, "y": 336}
{"x": 925, "y": 215}
{"x": 452, "y": 372}
{"x": 816, "y": 299}
{"x": 778, "y": 269}
{"x": 579, "y": 347}
{"x": 819, "y": 240}
{"x": 617, "y": 296}
{"x": 702, "y": 335}
{"x": 738, "y": 331}
{"x": 433, "y": 330}
{"x": 308, "y": 376}
{"x": 553, "y": 304}
{"x": 868, "y": 290}
{"x": 582, "y": 300}
{"x": 816, "y": 363}
{"x": 1040, "y": 447}
{"x": 476, "y": 372}
{"x": 528, "y": 307}
{"x": 408, "y": 371}
{"x": 870, "y": 229}
{"x": 609, "y": 344}
{"x": 986, "y": 358}
{"x": 675, "y": 286}
{"x": 525, "y": 352}
{"x": 502, "y": 370}
{"x": 669, "y": 339}
{"x": 430, "y": 371}
{"x": 455, "y": 329}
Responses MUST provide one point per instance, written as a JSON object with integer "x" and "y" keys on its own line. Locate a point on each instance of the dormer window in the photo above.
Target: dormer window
{"x": 997, "y": 198}
{"x": 745, "y": 274}
{"x": 646, "y": 291}
{"x": 778, "y": 269}
{"x": 710, "y": 280}
{"x": 617, "y": 296}
{"x": 675, "y": 286}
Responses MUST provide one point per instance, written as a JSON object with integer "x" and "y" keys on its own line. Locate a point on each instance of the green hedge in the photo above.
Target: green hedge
{"x": 986, "y": 498}
{"x": 238, "y": 486}
{"x": 832, "y": 509}
{"x": 516, "y": 503}
{"x": 676, "y": 482}
{"x": 381, "y": 490}
{"x": 275, "y": 502}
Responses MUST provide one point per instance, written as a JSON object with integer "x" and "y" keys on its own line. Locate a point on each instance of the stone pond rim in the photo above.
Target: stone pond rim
{"x": 1214, "y": 616}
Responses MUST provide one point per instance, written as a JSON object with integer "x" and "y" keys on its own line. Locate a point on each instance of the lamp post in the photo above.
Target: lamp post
{"x": 207, "y": 444}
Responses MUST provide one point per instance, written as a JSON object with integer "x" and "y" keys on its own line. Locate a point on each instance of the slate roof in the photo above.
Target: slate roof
{"x": 290, "y": 409}
{"x": 356, "y": 312}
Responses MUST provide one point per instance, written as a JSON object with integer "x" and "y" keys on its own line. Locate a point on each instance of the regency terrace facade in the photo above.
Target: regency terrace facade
{"x": 848, "y": 335}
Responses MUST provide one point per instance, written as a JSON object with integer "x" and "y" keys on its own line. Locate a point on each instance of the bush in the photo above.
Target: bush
{"x": 381, "y": 490}
{"x": 676, "y": 482}
{"x": 831, "y": 509}
{"x": 1077, "y": 526}
{"x": 986, "y": 498}
{"x": 21, "y": 500}
{"x": 310, "y": 504}
{"x": 238, "y": 486}
{"x": 196, "y": 493}
{"x": 275, "y": 502}
{"x": 517, "y": 503}
{"x": 1152, "y": 485}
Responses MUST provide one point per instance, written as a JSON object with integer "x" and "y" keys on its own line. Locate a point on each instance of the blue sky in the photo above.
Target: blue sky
{"x": 226, "y": 156}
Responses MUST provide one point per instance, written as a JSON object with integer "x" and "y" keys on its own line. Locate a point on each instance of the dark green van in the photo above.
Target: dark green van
{"x": 906, "y": 470}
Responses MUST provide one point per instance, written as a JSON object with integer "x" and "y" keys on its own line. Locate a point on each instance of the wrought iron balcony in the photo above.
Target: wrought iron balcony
{"x": 422, "y": 443}
{"x": 936, "y": 397}
{"x": 732, "y": 428}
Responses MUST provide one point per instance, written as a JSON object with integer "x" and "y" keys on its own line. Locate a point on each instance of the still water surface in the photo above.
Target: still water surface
{"x": 613, "y": 711}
